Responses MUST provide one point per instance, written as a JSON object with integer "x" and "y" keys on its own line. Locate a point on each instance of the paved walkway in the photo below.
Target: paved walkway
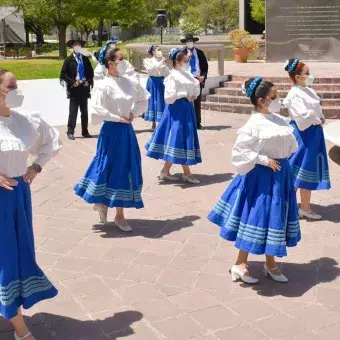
{"x": 169, "y": 279}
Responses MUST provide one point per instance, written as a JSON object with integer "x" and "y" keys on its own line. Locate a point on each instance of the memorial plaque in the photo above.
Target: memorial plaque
{"x": 305, "y": 29}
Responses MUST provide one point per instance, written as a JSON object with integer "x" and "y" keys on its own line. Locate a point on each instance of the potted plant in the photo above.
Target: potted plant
{"x": 243, "y": 45}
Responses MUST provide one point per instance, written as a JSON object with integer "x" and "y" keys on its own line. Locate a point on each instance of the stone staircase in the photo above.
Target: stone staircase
{"x": 229, "y": 97}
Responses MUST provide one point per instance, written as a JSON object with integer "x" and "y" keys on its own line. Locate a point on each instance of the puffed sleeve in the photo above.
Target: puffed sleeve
{"x": 303, "y": 117}
{"x": 149, "y": 66}
{"x": 47, "y": 143}
{"x": 170, "y": 93}
{"x": 99, "y": 112}
{"x": 99, "y": 72}
{"x": 246, "y": 153}
{"x": 130, "y": 71}
{"x": 141, "y": 102}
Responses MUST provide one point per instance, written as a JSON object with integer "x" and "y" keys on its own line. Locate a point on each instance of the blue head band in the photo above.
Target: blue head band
{"x": 114, "y": 39}
{"x": 150, "y": 49}
{"x": 252, "y": 87}
{"x": 173, "y": 53}
{"x": 293, "y": 66}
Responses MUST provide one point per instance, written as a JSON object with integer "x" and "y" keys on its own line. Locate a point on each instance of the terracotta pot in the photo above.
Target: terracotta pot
{"x": 241, "y": 55}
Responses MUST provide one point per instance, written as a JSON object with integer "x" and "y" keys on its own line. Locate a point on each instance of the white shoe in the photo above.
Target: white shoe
{"x": 278, "y": 278}
{"x": 102, "y": 211}
{"x": 123, "y": 225}
{"x": 169, "y": 177}
{"x": 239, "y": 274}
{"x": 190, "y": 180}
{"x": 309, "y": 214}
{"x": 16, "y": 337}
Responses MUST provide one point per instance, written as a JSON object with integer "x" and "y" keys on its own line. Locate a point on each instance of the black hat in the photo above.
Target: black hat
{"x": 71, "y": 42}
{"x": 189, "y": 37}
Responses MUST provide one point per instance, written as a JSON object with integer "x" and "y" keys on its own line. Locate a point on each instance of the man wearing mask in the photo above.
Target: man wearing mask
{"x": 77, "y": 74}
{"x": 199, "y": 69}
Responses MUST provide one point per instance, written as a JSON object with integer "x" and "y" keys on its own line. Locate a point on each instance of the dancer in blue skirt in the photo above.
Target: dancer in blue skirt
{"x": 259, "y": 210}
{"x": 310, "y": 162}
{"x": 114, "y": 178}
{"x": 157, "y": 70}
{"x": 175, "y": 139}
{"x": 22, "y": 282}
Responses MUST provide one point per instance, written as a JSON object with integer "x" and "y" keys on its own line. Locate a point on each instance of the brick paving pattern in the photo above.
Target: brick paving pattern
{"x": 169, "y": 278}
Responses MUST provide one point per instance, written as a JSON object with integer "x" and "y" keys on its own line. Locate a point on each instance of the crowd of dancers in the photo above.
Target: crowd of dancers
{"x": 258, "y": 211}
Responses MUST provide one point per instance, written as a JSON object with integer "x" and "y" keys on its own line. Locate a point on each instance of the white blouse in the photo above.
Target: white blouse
{"x": 100, "y": 71}
{"x": 22, "y": 134}
{"x": 304, "y": 107}
{"x": 155, "y": 67}
{"x": 113, "y": 98}
{"x": 180, "y": 84}
{"x": 263, "y": 137}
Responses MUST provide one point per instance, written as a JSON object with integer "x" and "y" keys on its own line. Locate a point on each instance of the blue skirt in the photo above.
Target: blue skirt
{"x": 155, "y": 85}
{"x": 259, "y": 211}
{"x": 22, "y": 282}
{"x": 310, "y": 162}
{"x": 175, "y": 139}
{"x": 114, "y": 177}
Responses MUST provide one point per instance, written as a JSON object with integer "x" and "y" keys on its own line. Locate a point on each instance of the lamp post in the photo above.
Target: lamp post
{"x": 161, "y": 21}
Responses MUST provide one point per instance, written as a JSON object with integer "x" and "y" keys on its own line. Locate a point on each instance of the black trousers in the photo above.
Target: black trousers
{"x": 78, "y": 102}
{"x": 198, "y": 104}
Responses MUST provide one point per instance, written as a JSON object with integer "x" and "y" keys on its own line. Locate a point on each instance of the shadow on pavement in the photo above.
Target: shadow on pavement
{"x": 45, "y": 326}
{"x": 329, "y": 213}
{"x": 303, "y": 277}
{"x": 217, "y": 127}
{"x": 147, "y": 228}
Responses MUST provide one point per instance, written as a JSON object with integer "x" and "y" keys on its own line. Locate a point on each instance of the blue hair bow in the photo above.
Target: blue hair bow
{"x": 293, "y": 66}
{"x": 173, "y": 53}
{"x": 252, "y": 87}
{"x": 150, "y": 48}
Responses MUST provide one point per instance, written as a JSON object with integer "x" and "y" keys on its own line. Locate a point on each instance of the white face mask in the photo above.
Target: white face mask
{"x": 159, "y": 54}
{"x": 186, "y": 67}
{"x": 190, "y": 45}
{"x": 77, "y": 49}
{"x": 275, "y": 106}
{"x": 14, "y": 98}
{"x": 309, "y": 80}
{"x": 121, "y": 67}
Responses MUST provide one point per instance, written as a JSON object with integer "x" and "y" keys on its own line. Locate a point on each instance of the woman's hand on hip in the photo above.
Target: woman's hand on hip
{"x": 30, "y": 175}
{"x": 274, "y": 165}
{"x": 132, "y": 117}
{"x": 7, "y": 182}
{"x": 124, "y": 120}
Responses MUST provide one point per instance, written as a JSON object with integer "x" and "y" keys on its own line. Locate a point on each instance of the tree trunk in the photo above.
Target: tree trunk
{"x": 100, "y": 32}
{"x": 62, "y": 41}
{"x": 40, "y": 36}
{"x": 27, "y": 37}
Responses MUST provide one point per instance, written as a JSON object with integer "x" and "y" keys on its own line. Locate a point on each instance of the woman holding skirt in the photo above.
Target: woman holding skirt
{"x": 310, "y": 162}
{"x": 258, "y": 210}
{"x": 157, "y": 69}
{"x": 22, "y": 282}
{"x": 114, "y": 178}
{"x": 175, "y": 139}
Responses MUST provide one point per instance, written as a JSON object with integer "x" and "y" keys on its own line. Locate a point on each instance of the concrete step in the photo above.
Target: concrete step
{"x": 217, "y": 98}
{"x": 330, "y": 112}
{"x": 277, "y": 80}
{"x": 287, "y": 86}
{"x": 282, "y": 93}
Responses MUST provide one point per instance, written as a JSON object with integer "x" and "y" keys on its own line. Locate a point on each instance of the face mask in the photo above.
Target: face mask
{"x": 121, "y": 67}
{"x": 14, "y": 98}
{"x": 309, "y": 80}
{"x": 77, "y": 49}
{"x": 159, "y": 54}
{"x": 275, "y": 106}
{"x": 185, "y": 67}
{"x": 190, "y": 45}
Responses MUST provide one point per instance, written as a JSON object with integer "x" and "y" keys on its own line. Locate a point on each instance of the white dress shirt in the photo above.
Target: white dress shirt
{"x": 113, "y": 98}
{"x": 100, "y": 71}
{"x": 22, "y": 134}
{"x": 304, "y": 107}
{"x": 263, "y": 137}
{"x": 156, "y": 67}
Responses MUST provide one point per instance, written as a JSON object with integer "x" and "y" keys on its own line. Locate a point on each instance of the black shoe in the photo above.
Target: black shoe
{"x": 199, "y": 127}
{"x": 70, "y": 136}
{"x": 86, "y": 135}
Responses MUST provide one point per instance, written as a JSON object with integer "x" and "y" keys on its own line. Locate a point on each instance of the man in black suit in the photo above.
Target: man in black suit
{"x": 199, "y": 69}
{"x": 77, "y": 74}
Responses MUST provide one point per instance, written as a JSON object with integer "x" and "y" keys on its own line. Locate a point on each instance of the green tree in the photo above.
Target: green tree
{"x": 258, "y": 10}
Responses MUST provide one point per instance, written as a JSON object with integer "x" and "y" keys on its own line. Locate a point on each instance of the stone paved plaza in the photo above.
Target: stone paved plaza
{"x": 169, "y": 279}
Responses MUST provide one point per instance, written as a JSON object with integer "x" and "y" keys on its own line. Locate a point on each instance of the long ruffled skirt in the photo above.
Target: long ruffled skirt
{"x": 155, "y": 86}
